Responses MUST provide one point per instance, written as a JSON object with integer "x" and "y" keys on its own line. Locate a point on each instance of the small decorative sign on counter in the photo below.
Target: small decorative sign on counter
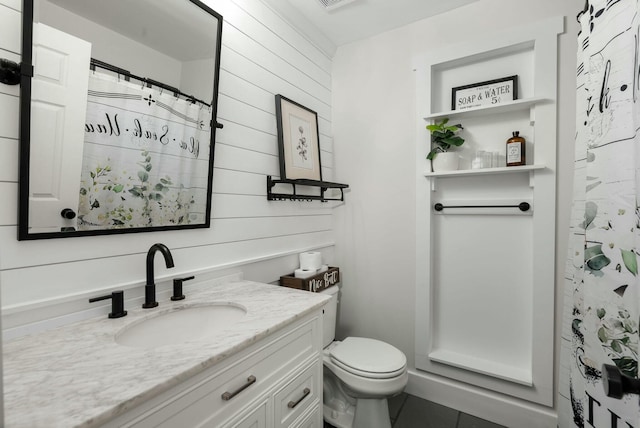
{"x": 315, "y": 283}
{"x": 484, "y": 93}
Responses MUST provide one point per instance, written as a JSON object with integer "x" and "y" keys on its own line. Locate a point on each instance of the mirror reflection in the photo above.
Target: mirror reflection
{"x": 122, "y": 117}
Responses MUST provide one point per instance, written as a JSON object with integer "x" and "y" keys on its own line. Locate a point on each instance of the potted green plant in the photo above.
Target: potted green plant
{"x": 443, "y": 137}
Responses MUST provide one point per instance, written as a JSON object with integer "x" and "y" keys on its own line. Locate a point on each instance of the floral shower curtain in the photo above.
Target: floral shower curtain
{"x": 145, "y": 156}
{"x": 600, "y": 324}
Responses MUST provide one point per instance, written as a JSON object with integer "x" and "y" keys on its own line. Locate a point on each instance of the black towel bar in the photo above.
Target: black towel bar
{"x": 522, "y": 206}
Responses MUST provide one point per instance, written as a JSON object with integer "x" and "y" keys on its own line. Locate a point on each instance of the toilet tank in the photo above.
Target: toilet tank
{"x": 329, "y": 315}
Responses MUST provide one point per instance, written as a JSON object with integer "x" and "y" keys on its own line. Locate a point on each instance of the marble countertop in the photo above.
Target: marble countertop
{"x": 78, "y": 376}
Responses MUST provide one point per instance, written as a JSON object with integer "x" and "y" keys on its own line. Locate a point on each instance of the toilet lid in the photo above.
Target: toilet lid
{"x": 369, "y": 358}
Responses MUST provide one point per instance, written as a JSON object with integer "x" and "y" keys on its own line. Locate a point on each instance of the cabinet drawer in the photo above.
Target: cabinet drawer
{"x": 311, "y": 420}
{"x": 298, "y": 395}
{"x": 240, "y": 382}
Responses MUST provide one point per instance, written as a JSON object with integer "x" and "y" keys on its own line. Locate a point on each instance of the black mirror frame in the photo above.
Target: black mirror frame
{"x": 26, "y": 73}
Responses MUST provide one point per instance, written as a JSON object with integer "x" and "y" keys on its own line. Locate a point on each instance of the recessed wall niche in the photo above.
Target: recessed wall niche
{"x": 485, "y": 268}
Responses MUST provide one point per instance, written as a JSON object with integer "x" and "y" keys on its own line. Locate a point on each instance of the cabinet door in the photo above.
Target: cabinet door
{"x": 254, "y": 417}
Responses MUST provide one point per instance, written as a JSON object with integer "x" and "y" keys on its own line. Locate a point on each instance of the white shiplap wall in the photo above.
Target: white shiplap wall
{"x": 262, "y": 55}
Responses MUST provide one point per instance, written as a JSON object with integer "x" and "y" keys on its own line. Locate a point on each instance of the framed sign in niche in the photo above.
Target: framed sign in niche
{"x": 490, "y": 92}
{"x": 298, "y": 141}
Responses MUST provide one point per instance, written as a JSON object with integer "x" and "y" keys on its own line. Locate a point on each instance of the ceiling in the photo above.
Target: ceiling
{"x": 353, "y": 20}
{"x": 146, "y": 22}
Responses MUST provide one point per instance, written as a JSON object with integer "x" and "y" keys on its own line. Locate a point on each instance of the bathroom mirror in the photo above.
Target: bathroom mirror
{"x": 118, "y": 116}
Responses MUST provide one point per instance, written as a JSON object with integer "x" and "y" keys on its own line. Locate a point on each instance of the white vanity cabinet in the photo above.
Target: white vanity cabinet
{"x": 276, "y": 382}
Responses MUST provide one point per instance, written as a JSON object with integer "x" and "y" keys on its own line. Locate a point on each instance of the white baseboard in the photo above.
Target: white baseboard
{"x": 500, "y": 409}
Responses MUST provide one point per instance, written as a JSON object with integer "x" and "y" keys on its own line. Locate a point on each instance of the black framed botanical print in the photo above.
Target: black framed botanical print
{"x": 298, "y": 140}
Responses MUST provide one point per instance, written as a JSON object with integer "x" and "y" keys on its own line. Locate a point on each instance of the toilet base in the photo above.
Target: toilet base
{"x": 368, "y": 413}
{"x": 372, "y": 413}
{"x": 339, "y": 417}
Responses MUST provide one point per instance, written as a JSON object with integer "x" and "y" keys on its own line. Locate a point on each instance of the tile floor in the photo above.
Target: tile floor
{"x": 408, "y": 411}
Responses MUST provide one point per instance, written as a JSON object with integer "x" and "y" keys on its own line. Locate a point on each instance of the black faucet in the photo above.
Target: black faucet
{"x": 150, "y": 288}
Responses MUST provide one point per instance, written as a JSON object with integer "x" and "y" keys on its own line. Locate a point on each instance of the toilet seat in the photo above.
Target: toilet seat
{"x": 368, "y": 358}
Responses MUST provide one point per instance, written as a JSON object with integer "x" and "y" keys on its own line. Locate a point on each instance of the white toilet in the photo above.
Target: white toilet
{"x": 359, "y": 375}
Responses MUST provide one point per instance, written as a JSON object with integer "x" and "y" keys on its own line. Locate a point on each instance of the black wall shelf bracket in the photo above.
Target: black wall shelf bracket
{"x": 522, "y": 206}
{"x": 322, "y": 185}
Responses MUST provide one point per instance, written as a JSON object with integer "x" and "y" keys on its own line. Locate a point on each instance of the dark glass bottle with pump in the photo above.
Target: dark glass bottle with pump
{"x": 516, "y": 146}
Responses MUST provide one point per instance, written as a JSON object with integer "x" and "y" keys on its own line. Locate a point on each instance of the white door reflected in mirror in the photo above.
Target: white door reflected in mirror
{"x": 58, "y": 106}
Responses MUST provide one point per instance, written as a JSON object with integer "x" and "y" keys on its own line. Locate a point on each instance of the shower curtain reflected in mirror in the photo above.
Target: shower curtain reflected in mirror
{"x": 145, "y": 158}
{"x": 600, "y": 323}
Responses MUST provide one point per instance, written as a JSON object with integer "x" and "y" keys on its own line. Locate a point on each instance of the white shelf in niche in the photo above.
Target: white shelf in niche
{"x": 520, "y": 375}
{"x": 486, "y": 110}
{"x": 484, "y": 171}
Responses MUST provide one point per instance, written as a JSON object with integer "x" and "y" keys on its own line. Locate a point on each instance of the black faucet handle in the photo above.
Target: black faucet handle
{"x": 177, "y": 287}
{"x": 117, "y": 303}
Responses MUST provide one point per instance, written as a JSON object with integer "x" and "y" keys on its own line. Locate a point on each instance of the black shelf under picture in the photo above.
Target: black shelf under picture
{"x": 294, "y": 195}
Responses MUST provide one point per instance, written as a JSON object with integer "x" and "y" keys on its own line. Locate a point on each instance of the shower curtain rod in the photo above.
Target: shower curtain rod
{"x": 148, "y": 82}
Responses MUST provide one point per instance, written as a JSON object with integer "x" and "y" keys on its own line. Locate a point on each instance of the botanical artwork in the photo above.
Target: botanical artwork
{"x": 300, "y": 132}
{"x": 298, "y": 140}
{"x": 145, "y": 159}
{"x": 601, "y": 292}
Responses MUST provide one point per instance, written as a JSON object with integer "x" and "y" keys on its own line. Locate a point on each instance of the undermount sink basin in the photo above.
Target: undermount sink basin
{"x": 192, "y": 323}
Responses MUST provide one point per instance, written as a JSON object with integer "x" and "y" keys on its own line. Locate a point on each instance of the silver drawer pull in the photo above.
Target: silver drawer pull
{"x": 229, "y": 395}
{"x": 293, "y": 404}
